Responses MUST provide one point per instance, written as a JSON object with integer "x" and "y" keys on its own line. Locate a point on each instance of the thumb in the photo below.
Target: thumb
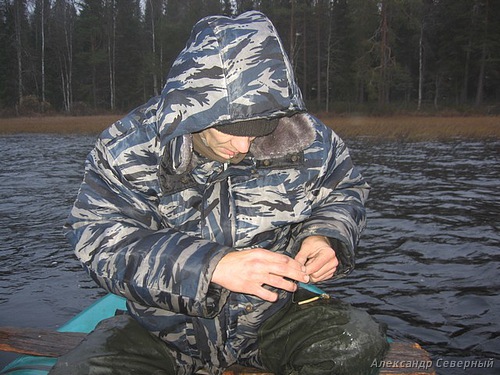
{"x": 302, "y": 257}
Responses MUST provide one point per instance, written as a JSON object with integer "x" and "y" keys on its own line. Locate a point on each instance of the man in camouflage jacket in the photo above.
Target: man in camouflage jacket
{"x": 208, "y": 240}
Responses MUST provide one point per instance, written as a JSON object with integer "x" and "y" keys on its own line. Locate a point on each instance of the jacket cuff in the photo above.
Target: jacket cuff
{"x": 344, "y": 256}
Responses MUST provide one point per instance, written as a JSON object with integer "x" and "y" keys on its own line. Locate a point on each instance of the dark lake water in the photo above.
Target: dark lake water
{"x": 428, "y": 264}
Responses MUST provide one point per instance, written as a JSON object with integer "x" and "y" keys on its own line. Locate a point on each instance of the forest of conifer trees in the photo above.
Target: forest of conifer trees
{"x": 372, "y": 56}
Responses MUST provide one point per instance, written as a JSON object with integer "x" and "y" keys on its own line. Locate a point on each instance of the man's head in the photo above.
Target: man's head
{"x": 230, "y": 140}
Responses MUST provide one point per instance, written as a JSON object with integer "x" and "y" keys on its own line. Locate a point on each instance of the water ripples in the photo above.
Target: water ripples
{"x": 428, "y": 263}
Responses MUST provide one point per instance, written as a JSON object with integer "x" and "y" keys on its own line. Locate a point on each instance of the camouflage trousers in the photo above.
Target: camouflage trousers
{"x": 322, "y": 337}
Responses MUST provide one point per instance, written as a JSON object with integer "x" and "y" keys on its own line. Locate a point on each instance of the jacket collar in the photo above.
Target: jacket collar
{"x": 292, "y": 135}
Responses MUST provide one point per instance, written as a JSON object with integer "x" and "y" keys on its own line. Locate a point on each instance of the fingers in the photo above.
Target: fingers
{"x": 248, "y": 271}
{"x": 322, "y": 274}
{"x": 321, "y": 262}
{"x": 318, "y": 257}
{"x": 323, "y": 266}
{"x": 280, "y": 283}
{"x": 266, "y": 294}
{"x": 301, "y": 257}
{"x": 276, "y": 282}
{"x": 288, "y": 268}
{"x": 311, "y": 247}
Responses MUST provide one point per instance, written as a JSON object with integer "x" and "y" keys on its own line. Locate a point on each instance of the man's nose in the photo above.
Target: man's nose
{"x": 242, "y": 144}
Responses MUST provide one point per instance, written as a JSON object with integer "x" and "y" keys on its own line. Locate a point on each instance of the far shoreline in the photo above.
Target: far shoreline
{"x": 403, "y": 127}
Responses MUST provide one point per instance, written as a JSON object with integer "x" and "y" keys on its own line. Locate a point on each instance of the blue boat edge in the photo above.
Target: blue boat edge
{"x": 85, "y": 321}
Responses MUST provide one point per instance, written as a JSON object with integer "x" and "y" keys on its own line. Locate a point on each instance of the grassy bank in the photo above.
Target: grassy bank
{"x": 389, "y": 127}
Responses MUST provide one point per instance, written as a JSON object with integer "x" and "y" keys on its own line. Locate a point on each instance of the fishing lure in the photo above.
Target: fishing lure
{"x": 319, "y": 293}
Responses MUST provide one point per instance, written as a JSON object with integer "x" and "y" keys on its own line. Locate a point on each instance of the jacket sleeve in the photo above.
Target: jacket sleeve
{"x": 338, "y": 211}
{"x": 117, "y": 233}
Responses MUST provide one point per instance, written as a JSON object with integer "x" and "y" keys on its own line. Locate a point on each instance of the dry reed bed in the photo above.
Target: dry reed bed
{"x": 416, "y": 127}
{"x": 390, "y": 127}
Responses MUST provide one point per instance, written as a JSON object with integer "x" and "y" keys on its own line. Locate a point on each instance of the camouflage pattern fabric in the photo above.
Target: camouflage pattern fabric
{"x": 152, "y": 218}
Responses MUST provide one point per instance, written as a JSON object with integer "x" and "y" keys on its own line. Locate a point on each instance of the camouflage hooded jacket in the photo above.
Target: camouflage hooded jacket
{"x": 152, "y": 218}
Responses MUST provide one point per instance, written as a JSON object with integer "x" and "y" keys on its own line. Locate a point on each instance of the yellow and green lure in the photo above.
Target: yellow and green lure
{"x": 319, "y": 293}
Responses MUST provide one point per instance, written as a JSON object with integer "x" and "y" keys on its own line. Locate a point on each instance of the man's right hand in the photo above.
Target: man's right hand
{"x": 247, "y": 271}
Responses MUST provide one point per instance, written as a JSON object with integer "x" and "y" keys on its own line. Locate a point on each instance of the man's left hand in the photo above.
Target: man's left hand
{"x": 318, "y": 257}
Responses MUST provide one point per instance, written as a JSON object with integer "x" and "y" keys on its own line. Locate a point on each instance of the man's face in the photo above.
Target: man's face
{"x": 225, "y": 145}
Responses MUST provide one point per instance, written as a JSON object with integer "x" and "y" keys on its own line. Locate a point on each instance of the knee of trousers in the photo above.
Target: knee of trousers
{"x": 118, "y": 346}
{"x": 324, "y": 337}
